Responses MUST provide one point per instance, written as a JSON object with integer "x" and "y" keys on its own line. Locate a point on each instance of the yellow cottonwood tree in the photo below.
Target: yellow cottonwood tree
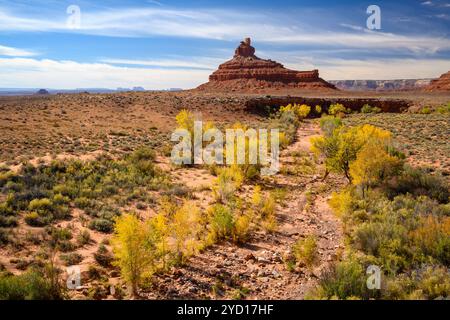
{"x": 134, "y": 253}
{"x": 373, "y": 164}
{"x": 186, "y": 227}
{"x": 341, "y": 146}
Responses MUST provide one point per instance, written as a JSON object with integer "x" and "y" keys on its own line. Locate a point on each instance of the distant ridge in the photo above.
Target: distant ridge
{"x": 381, "y": 85}
{"x": 33, "y": 91}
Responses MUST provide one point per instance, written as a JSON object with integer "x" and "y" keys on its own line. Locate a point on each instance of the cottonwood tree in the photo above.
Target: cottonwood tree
{"x": 133, "y": 248}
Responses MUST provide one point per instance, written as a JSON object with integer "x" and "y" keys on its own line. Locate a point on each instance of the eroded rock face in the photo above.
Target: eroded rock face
{"x": 440, "y": 84}
{"x": 247, "y": 71}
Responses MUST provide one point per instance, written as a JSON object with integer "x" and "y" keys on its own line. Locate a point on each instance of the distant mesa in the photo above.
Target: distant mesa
{"x": 440, "y": 84}
{"x": 135, "y": 89}
{"x": 42, "y": 92}
{"x": 382, "y": 85}
{"x": 247, "y": 72}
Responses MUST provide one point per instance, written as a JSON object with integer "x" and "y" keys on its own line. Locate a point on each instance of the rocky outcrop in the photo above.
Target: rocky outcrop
{"x": 246, "y": 72}
{"x": 440, "y": 84}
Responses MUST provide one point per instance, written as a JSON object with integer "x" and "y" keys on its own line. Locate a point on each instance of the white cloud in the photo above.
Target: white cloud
{"x": 443, "y": 16}
{"x": 427, "y": 3}
{"x": 32, "y": 73}
{"x": 222, "y": 25}
{"x": 15, "y": 52}
{"x": 193, "y": 63}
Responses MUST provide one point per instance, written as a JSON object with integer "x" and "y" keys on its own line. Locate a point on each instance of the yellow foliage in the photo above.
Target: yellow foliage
{"x": 341, "y": 147}
{"x": 270, "y": 223}
{"x": 305, "y": 251}
{"x": 372, "y": 165}
{"x": 186, "y": 227}
{"x": 284, "y": 140}
{"x": 185, "y": 120}
{"x": 160, "y": 233}
{"x": 337, "y": 109}
{"x": 431, "y": 233}
{"x": 264, "y": 207}
{"x": 342, "y": 203}
{"x": 257, "y": 197}
{"x": 241, "y": 229}
{"x": 229, "y": 180}
{"x": 318, "y": 109}
{"x": 132, "y": 252}
{"x": 301, "y": 111}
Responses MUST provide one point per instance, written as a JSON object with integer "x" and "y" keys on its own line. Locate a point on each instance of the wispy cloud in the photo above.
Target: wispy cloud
{"x": 222, "y": 25}
{"x": 32, "y": 73}
{"x": 203, "y": 63}
{"x": 15, "y": 52}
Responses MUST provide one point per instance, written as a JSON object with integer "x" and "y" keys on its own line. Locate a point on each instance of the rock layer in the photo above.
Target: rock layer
{"x": 246, "y": 71}
{"x": 440, "y": 84}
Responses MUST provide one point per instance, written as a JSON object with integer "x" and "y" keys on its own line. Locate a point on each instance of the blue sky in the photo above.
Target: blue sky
{"x": 163, "y": 44}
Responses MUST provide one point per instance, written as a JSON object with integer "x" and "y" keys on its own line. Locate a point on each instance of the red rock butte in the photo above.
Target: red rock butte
{"x": 248, "y": 72}
{"x": 440, "y": 84}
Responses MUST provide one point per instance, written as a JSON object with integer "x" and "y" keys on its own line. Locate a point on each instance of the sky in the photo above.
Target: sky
{"x": 160, "y": 44}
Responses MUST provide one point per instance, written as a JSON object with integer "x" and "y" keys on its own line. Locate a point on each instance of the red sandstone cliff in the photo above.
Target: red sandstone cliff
{"x": 440, "y": 84}
{"x": 248, "y": 72}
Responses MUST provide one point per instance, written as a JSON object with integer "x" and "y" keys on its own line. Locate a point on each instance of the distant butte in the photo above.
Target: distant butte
{"x": 247, "y": 72}
{"x": 440, "y": 84}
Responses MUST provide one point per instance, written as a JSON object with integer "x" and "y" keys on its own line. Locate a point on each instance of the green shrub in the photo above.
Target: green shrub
{"x": 222, "y": 222}
{"x": 66, "y": 246}
{"x": 425, "y": 110}
{"x": 8, "y": 222}
{"x": 59, "y": 234}
{"x": 103, "y": 256}
{"x": 417, "y": 182}
{"x": 345, "y": 280}
{"x": 305, "y": 251}
{"x": 102, "y": 225}
{"x": 71, "y": 259}
{"x": 59, "y": 199}
{"x": 329, "y": 123}
{"x": 4, "y": 236}
{"x": 43, "y": 206}
{"x": 84, "y": 203}
{"x": 369, "y": 109}
{"x": 143, "y": 160}
{"x": 35, "y": 220}
{"x": 31, "y": 285}
{"x": 84, "y": 237}
{"x": 429, "y": 282}
{"x": 6, "y": 210}
{"x": 444, "y": 109}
